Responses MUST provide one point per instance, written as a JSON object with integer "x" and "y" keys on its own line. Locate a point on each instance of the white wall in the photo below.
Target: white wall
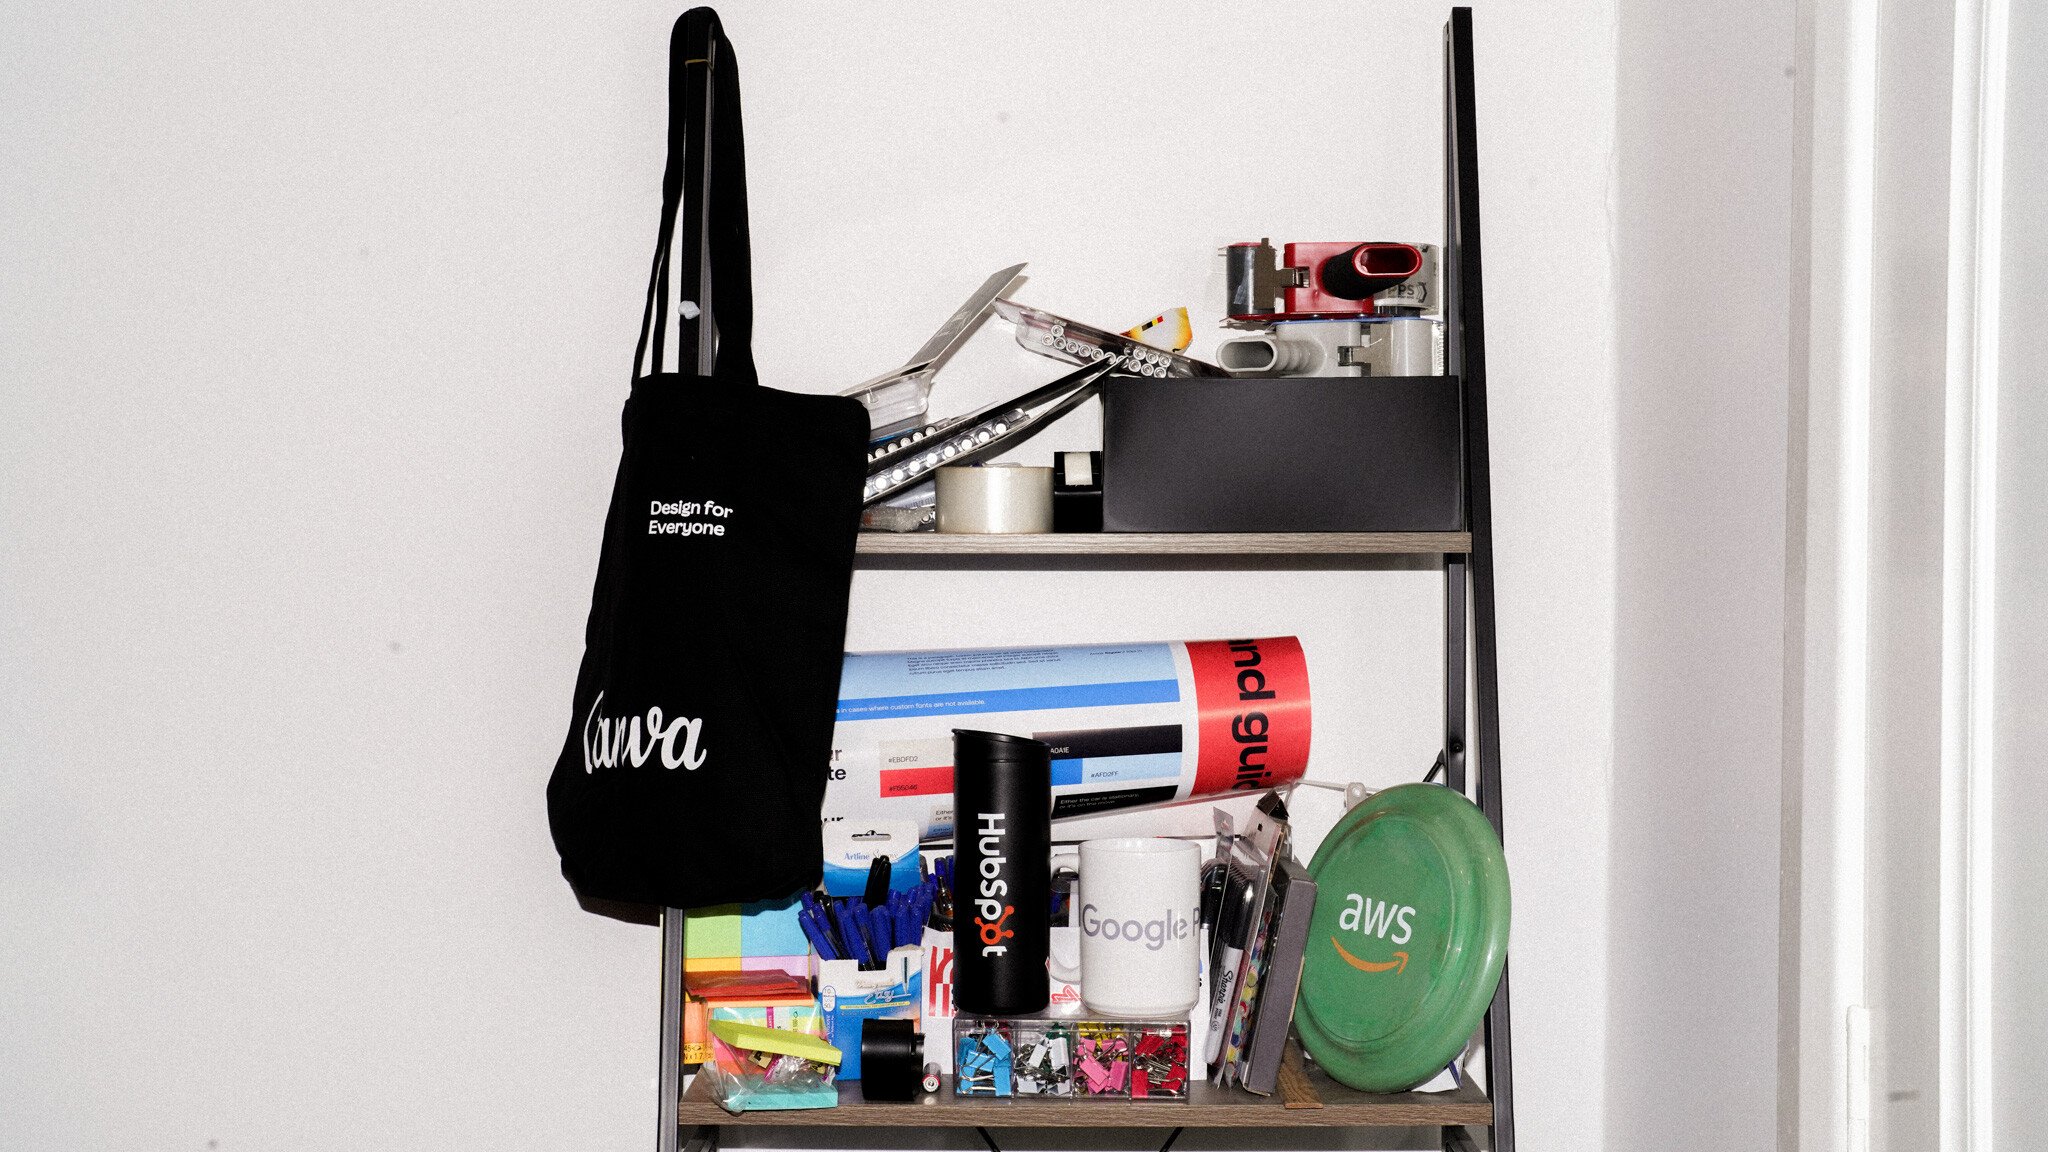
{"x": 1702, "y": 287}
{"x": 2018, "y": 947}
{"x": 316, "y": 323}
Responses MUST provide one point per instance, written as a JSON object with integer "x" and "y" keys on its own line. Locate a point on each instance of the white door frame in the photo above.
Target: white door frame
{"x": 1848, "y": 105}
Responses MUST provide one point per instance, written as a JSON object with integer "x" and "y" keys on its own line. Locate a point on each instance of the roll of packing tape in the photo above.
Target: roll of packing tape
{"x": 995, "y": 498}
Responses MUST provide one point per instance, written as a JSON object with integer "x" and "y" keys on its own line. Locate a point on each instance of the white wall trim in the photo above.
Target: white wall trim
{"x": 1976, "y": 211}
{"x": 1851, "y": 768}
{"x": 1830, "y": 647}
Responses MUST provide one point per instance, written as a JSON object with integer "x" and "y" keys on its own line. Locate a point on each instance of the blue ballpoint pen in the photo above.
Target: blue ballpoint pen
{"x": 880, "y": 931}
{"x": 849, "y": 932}
{"x": 813, "y": 919}
{"x": 908, "y": 922}
{"x": 819, "y": 941}
{"x": 864, "y": 924}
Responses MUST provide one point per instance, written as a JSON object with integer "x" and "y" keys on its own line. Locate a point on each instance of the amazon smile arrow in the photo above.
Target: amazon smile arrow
{"x": 1397, "y": 965}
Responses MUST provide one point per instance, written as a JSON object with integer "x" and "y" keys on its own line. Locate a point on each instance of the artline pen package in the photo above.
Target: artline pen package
{"x": 851, "y": 849}
{"x": 1129, "y": 724}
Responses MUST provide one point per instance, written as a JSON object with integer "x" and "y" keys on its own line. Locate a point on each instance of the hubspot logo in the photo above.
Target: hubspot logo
{"x": 995, "y": 933}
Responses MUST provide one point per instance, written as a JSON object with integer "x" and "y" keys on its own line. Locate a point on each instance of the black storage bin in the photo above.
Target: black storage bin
{"x": 1339, "y": 454}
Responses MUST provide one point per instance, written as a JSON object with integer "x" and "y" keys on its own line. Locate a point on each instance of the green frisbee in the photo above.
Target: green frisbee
{"x": 1408, "y": 938}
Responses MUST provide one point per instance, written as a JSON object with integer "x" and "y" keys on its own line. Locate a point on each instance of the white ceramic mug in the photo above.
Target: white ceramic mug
{"x": 1137, "y": 914}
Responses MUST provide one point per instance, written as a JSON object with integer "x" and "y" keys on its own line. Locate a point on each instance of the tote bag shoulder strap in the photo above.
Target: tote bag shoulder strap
{"x": 704, "y": 198}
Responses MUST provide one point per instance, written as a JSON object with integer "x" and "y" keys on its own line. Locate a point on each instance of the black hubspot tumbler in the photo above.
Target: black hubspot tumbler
{"x": 1002, "y": 845}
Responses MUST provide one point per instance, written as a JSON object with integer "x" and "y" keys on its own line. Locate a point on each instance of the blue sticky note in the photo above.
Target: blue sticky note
{"x": 770, "y": 928}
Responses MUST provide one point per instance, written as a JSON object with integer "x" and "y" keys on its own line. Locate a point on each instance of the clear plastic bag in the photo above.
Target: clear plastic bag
{"x": 754, "y": 1069}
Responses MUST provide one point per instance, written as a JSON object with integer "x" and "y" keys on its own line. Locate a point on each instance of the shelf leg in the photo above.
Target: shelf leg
{"x": 1465, "y": 358}
{"x": 1500, "y": 1079}
{"x": 671, "y": 1079}
{"x": 1455, "y": 576}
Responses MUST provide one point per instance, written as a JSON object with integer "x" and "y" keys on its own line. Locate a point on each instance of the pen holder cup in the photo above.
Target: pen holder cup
{"x": 847, "y": 995}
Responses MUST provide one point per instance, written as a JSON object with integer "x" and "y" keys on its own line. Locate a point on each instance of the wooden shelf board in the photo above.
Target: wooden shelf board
{"x": 1163, "y": 543}
{"x": 1208, "y": 1108}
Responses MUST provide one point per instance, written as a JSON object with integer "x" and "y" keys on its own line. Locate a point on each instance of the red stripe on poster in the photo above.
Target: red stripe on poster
{"x": 918, "y": 781}
{"x": 1253, "y": 699}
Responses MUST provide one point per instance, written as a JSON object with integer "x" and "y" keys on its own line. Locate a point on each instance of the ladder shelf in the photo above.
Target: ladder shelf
{"x": 1308, "y": 1098}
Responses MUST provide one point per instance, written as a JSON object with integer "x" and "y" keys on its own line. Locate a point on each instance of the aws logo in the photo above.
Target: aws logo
{"x": 1374, "y": 919}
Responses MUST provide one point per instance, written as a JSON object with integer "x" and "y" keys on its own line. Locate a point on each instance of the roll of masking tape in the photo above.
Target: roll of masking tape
{"x": 995, "y": 498}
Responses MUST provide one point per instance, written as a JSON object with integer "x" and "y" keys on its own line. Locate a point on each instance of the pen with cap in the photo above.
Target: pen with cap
{"x": 1227, "y": 896}
{"x": 818, "y": 928}
{"x": 878, "y": 882}
{"x": 820, "y": 943}
{"x": 845, "y": 914}
{"x": 871, "y": 941}
{"x": 849, "y": 928}
{"x": 939, "y": 907}
{"x": 909, "y": 921}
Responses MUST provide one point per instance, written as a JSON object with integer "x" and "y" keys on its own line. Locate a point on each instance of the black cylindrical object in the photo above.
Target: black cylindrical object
{"x": 1241, "y": 272}
{"x": 1002, "y": 847}
{"x": 891, "y": 1059}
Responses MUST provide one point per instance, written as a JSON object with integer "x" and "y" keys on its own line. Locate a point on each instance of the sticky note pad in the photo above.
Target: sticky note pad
{"x": 712, "y": 933}
{"x": 771, "y": 928}
{"x": 721, "y": 935}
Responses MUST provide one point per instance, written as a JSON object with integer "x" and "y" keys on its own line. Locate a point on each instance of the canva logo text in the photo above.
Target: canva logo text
{"x": 612, "y": 741}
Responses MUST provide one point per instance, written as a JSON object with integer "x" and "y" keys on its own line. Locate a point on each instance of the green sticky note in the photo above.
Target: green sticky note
{"x": 712, "y": 933}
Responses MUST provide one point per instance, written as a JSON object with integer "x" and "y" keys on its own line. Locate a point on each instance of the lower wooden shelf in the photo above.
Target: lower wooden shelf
{"x": 1311, "y": 1101}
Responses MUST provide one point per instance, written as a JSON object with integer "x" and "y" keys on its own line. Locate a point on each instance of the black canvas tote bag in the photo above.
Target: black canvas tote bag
{"x": 701, "y": 733}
